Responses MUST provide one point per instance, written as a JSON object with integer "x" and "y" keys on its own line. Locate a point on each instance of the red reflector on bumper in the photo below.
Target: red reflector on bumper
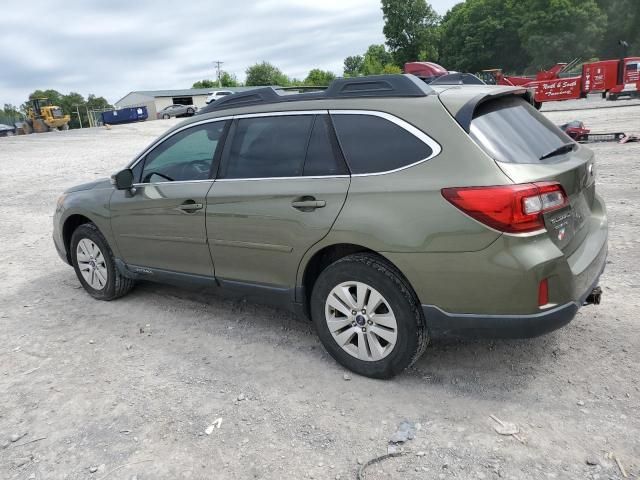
{"x": 543, "y": 293}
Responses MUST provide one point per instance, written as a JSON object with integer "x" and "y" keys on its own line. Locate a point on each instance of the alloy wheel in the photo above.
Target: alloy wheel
{"x": 92, "y": 264}
{"x": 361, "y": 321}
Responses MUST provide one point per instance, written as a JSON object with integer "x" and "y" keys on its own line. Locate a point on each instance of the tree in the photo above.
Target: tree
{"x": 623, "y": 18}
{"x": 97, "y": 103}
{"x": 205, "y": 84}
{"x": 376, "y": 60}
{"x": 10, "y": 114}
{"x": 561, "y": 30}
{"x": 481, "y": 34}
{"x": 353, "y": 65}
{"x": 319, "y": 77}
{"x": 263, "y": 74}
{"x": 410, "y": 27}
{"x": 228, "y": 79}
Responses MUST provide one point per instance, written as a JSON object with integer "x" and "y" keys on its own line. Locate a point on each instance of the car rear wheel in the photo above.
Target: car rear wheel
{"x": 368, "y": 317}
{"x": 190, "y": 111}
{"x": 95, "y": 265}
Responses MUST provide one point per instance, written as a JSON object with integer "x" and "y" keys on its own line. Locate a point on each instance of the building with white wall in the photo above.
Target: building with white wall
{"x": 156, "y": 100}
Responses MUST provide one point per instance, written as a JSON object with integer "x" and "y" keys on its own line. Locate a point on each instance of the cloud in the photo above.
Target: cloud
{"x": 112, "y": 47}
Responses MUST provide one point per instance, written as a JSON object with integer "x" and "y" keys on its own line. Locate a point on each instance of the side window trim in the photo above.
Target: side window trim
{"x": 220, "y": 148}
{"x": 335, "y": 147}
{"x": 416, "y": 132}
{"x": 142, "y": 157}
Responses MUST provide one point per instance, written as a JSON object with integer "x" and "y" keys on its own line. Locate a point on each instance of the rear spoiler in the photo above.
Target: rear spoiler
{"x": 465, "y": 114}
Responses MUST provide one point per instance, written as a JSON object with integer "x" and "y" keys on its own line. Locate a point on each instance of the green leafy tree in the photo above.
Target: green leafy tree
{"x": 10, "y": 114}
{"x": 353, "y": 65}
{"x": 481, "y": 34}
{"x": 205, "y": 84}
{"x": 97, "y": 103}
{"x": 410, "y": 27}
{"x": 560, "y": 30}
{"x": 623, "y": 23}
{"x": 319, "y": 77}
{"x": 228, "y": 80}
{"x": 265, "y": 74}
{"x": 376, "y": 60}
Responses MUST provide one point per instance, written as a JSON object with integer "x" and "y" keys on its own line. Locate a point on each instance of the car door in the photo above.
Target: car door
{"x": 162, "y": 226}
{"x": 280, "y": 187}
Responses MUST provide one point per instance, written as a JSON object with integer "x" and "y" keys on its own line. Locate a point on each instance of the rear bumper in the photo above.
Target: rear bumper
{"x": 442, "y": 324}
{"x": 449, "y": 325}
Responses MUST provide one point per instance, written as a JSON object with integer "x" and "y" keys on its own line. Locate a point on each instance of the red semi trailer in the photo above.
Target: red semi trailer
{"x": 612, "y": 78}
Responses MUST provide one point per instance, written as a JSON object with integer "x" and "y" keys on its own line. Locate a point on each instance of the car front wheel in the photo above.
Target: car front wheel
{"x": 368, "y": 317}
{"x": 95, "y": 266}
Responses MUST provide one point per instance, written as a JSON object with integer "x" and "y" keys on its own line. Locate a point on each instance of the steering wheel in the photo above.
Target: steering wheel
{"x": 198, "y": 169}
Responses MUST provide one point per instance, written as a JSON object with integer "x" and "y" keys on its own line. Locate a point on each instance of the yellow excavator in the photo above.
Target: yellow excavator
{"x": 45, "y": 117}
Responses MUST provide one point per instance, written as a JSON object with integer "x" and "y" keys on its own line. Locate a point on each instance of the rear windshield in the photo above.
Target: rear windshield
{"x": 510, "y": 130}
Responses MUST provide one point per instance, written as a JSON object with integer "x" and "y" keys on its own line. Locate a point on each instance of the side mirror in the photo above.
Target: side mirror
{"x": 123, "y": 180}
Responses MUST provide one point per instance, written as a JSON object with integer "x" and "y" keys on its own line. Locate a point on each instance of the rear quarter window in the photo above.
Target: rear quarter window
{"x": 510, "y": 130}
{"x": 372, "y": 144}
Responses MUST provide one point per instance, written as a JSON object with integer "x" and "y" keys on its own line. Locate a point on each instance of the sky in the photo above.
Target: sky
{"x": 112, "y": 47}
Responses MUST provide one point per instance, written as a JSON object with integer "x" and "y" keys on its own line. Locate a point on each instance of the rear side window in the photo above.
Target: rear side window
{"x": 511, "y": 130}
{"x": 266, "y": 147}
{"x": 374, "y": 144}
{"x": 322, "y": 158}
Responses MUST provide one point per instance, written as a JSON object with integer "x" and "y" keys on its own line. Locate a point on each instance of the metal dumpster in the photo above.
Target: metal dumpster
{"x": 125, "y": 115}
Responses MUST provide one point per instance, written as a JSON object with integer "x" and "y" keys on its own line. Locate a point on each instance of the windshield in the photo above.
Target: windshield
{"x": 511, "y": 130}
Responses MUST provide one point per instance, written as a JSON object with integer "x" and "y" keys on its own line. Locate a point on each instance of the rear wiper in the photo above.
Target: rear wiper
{"x": 564, "y": 148}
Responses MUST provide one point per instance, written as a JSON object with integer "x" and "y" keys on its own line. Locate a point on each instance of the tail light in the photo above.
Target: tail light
{"x": 509, "y": 208}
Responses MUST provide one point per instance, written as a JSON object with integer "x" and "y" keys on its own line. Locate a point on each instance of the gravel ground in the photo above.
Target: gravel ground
{"x": 127, "y": 389}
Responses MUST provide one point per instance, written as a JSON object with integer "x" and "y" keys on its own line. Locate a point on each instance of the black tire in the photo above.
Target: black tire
{"x": 117, "y": 285}
{"x": 412, "y": 336}
{"x": 190, "y": 111}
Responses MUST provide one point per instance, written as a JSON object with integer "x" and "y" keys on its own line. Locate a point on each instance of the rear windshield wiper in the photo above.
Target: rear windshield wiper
{"x": 564, "y": 148}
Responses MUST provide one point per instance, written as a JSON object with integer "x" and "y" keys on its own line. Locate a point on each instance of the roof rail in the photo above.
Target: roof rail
{"x": 356, "y": 87}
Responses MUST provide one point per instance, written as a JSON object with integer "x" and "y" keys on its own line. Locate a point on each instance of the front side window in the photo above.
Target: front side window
{"x": 187, "y": 155}
{"x": 373, "y": 144}
{"x": 267, "y": 147}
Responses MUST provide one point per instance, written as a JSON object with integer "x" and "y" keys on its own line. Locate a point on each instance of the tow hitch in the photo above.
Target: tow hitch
{"x": 594, "y": 297}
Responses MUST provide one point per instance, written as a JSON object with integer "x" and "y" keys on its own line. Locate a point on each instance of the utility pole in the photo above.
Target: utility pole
{"x": 218, "y": 64}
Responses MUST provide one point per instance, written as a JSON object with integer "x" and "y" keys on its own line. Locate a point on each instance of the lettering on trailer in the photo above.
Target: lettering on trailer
{"x": 559, "y": 88}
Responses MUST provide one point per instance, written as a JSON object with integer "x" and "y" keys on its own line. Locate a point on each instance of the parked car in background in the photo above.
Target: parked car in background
{"x": 213, "y": 96}
{"x": 388, "y": 211}
{"x": 7, "y": 130}
{"x": 177, "y": 110}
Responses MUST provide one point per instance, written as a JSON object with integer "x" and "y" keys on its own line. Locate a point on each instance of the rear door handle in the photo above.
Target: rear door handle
{"x": 190, "y": 206}
{"x": 308, "y": 203}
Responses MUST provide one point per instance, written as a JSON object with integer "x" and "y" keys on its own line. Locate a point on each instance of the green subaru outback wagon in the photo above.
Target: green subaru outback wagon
{"x": 387, "y": 211}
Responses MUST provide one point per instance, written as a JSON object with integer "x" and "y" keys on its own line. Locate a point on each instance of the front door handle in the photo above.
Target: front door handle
{"x": 190, "y": 206}
{"x": 307, "y": 204}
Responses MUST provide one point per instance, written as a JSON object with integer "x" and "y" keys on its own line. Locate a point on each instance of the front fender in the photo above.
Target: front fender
{"x": 92, "y": 204}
